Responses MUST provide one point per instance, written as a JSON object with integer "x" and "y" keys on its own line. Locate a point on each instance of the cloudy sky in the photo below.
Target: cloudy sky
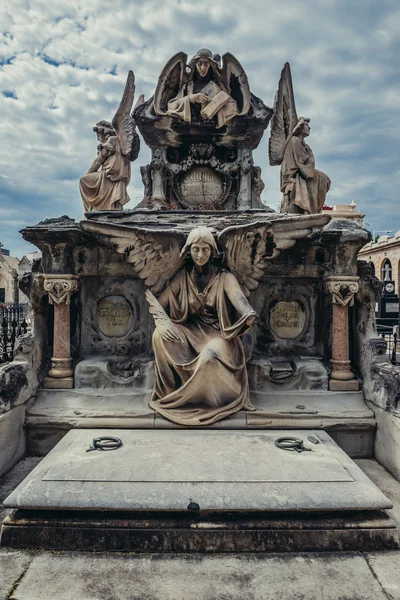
{"x": 63, "y": 66}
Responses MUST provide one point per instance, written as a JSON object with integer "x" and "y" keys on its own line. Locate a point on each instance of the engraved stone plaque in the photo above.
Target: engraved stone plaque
{"x": 114, "y": 316}
{"x": 201, "y": 187}
{"x": 287, "y": 319}
{"x": 393, "y": 307}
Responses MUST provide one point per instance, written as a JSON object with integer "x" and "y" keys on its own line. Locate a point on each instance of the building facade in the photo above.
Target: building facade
{"x": 345, "y": 211}
{"x": 385, "y": 256}
{"x": 11, "y": 271}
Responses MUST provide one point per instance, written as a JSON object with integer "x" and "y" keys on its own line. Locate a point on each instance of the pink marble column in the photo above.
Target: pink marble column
{"x": 342, "y": 290}
{"x": 60, "y": 289}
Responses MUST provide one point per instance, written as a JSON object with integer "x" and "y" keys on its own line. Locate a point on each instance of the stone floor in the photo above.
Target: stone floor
{"x": 41, "y": 575}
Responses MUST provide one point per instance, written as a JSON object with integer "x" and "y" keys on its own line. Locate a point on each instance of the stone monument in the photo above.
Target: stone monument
{"x": 202, "y": 308}
{"x": 297, "y": 272}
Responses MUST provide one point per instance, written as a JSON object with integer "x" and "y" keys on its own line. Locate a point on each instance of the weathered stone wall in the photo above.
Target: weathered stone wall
{"x": 381, "y": 380}
{"x": 115, "y": 317}
{"x": 18, "y": 386}
{"x": 19, "y": 379}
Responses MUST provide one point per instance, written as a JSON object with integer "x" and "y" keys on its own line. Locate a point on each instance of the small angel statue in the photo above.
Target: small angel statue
{"x": 118, "y": 146}
{"x": 303, "y": 187}
{"x": 202, "y": 89}
{"x": 201, "y": 310}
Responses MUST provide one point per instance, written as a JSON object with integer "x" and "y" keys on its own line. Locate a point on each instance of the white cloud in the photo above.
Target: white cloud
{"x": 65, "y": 65}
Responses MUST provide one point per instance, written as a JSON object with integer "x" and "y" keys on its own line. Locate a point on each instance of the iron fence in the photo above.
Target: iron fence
{"x": 12, "y": 324}
{"x": 390, "y": 335}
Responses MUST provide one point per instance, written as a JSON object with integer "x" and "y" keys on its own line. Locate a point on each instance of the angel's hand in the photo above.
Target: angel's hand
{"x": 201, "y": 98}
{"x": 168, "y": 331}
{"x": 98, "y": 161}
{"x": 251, "y": 320}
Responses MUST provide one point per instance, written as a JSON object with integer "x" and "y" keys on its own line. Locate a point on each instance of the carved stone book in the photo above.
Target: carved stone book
{"x": 217, "y": 102}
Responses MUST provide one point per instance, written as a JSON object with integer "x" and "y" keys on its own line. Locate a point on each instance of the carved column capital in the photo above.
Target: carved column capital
{"x": 60, "y": 287}
{"x": 342, "y": 288}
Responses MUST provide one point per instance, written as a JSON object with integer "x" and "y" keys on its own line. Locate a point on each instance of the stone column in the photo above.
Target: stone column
{"x": 60, "y": 289}
{"x": 15, "y": 284}
{"x": 245, "y": 160}
{"x": 158, "y": 170}
{"x": 342, "y": 290}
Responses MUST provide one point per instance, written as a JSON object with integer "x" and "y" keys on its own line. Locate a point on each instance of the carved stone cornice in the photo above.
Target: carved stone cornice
{"x": 60, "y": 287}
{"x": 342, "y": 288}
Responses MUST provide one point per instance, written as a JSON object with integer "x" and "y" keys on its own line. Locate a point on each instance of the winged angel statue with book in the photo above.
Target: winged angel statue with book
{"x": 200, "y": 307}
{"x": 118, "y": 146}
{"x": 303, "y": 187}
{"x": 203, "y": 89}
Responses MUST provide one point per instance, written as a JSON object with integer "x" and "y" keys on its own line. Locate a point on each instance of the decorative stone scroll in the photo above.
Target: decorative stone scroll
{"x": 342, "y": 290}
{"x": 60, "y": 288}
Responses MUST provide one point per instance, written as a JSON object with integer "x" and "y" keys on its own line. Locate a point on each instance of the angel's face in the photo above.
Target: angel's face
{"x": 202, "y": 66}
{"x": 200, "y": 253}
{"x": 306, "y": 129}
{"x": 101, "y": 136}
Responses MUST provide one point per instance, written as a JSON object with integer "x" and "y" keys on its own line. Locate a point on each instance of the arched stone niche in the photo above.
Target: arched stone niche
{"x": 115, "y": 318}
{"x": 291, "y": 318}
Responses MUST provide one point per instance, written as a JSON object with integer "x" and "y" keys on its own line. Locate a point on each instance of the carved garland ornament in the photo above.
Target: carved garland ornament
{"x": 342, "y": 289}
{"x": 60, "y": 288}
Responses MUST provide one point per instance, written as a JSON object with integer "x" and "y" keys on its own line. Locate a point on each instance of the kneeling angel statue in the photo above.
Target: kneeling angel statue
{"x": 200, "y": 307}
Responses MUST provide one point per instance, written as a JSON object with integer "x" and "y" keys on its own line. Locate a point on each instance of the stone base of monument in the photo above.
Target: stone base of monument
{"x": 198, "y": 491}
{"x": 61, "y": 383}
{"x": 343, "y": 414}
{"x": 343, "y": 386}
{"x": 209, "y": 532}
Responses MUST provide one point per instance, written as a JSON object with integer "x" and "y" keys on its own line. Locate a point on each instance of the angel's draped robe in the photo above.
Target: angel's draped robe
{"x": 204, "y": 379}
{"x": 106, "y": 189}
{"x": 306, "y": 185}
{"x": 221, "y": 104}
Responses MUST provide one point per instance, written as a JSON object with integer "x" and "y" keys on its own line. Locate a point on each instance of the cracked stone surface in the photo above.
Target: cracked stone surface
{"x": 66, "y": 575}
{"x": 13, "y": 565}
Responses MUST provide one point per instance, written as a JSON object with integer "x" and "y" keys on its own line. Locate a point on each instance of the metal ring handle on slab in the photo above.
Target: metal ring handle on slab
{"x": 291, "y": 443}
{"x": 105, "y": 443}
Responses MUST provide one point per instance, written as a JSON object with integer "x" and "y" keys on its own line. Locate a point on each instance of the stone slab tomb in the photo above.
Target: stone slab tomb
{"x": 198, "y": 490}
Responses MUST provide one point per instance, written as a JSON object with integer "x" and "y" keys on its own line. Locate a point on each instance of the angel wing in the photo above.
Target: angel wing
{"x": 124, "y": 123}
{"x": 154, "y": 253}
{"x": 246, "y": 247}
{"x": 249, "y": 248}
{"x": 171, "y": 80}
{"x": 284, "y": 117}
{"x": 235, "y": 80}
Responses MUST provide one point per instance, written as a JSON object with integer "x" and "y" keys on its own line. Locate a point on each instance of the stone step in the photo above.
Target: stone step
{"x": 172, "y": 532}
{"x": 344, "y": 414}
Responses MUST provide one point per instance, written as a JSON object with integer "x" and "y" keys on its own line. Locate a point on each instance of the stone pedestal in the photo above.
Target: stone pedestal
{"x": 60, "y": 289}
{"x": 255, "y": 498}
{"x": 342, "y": 289}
